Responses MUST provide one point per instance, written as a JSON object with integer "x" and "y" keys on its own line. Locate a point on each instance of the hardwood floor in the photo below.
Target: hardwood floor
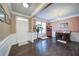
{"x": 46, "y": 47}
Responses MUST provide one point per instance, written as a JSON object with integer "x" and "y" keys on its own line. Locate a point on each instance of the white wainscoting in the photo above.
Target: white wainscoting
{"x": 75, "y": 36}
{"x": 22, "y": 28}
{"x": 6, "y": 44}
{"x": 34, "y": 36}
{"x": 30, "y": 37}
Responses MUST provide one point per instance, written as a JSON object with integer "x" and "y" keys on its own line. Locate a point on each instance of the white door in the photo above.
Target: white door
{"x": 22, "y": 32}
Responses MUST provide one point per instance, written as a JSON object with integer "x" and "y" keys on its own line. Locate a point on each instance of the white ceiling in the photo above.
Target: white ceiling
{"x": 19, "y": 9}
{"x": 59, "y": 10}
{"x": 52, "y": 12}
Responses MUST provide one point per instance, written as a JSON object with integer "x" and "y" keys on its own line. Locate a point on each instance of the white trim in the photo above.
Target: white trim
{"x": 19, "y": 14}
{"x": 63, "y": 18}
{"x": 10, "y": 40}
{"x": 38, "y": 9}
{"x": 2, "y": 42}
{"x": 6, "y": 44}
{"x": 10, "y": 9}
{"x": 22, "y": 43}
{"x": 7, "y": 53}
{"x": 21, "y": 19}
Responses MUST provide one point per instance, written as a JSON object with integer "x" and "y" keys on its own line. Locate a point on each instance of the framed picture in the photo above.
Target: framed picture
{"x": 7, "y": 20}
{"x": 2, "y": 14}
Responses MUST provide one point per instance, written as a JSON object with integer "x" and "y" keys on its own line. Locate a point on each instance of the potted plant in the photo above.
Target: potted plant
{"x": 37, "y": 29}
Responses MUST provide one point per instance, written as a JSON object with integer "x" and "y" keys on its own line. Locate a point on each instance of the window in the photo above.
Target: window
{"x": 43, "y": 24}
{"x": 21, "y": 18}
{"x": 44, "y": 27}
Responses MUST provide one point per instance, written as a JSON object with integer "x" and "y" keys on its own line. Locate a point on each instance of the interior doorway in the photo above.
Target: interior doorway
{"x": 23, "y": 36}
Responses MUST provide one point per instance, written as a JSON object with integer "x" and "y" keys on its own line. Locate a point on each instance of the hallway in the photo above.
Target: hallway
{"x": 19, "y": 26}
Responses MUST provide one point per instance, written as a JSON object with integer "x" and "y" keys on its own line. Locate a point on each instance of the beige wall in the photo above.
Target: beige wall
{"x": 31, "y": 24}
{"x": 13, "y": 24}
{"x": 73, "y": 23}
{"x": 6, "y": 29}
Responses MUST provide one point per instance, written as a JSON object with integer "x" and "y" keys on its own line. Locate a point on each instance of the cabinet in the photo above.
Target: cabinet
{"x": 49, "y": 31}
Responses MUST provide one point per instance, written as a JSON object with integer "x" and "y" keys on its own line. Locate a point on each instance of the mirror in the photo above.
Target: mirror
{"x": 7, "y": 20}
{"x": 2, "y": 15}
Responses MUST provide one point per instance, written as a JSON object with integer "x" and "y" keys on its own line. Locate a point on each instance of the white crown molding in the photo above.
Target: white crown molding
{"x": 10, "y": 8}
{"x": 19, "y": 14}
{"x": 39, "y": 8}
{"x": 63, "y": 18}
{"x": 16, "y": 13}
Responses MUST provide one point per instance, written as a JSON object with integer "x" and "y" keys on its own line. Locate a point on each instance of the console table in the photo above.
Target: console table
{"x": 63, "y": 37}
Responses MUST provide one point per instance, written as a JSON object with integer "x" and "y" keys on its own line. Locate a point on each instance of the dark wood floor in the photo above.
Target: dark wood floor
{"x": 46, "y": 47}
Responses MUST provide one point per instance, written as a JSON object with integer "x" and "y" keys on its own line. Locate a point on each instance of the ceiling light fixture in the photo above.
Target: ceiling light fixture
{"x": 25, "y": 5}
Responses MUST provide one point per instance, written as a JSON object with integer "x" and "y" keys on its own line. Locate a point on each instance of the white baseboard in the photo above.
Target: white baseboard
{"x": 7, "y": 52}
{"x": 22, "y": 43}
{"x": 6, "y": 44}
